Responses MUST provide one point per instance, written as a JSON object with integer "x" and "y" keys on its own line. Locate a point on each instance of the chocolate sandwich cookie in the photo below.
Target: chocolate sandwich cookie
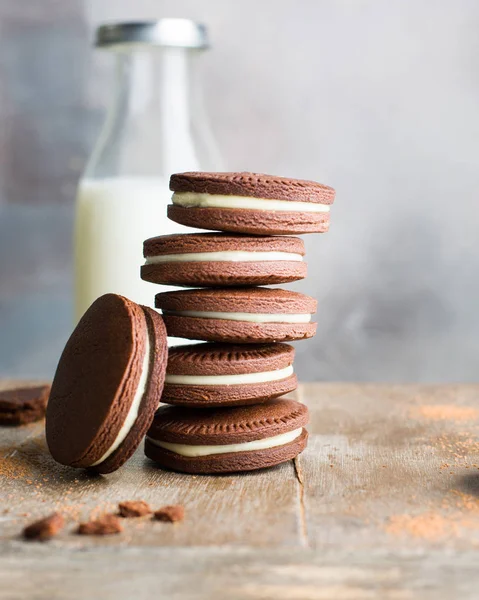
{"x": 107, "y": 385}
{"x": 226, "y": 440}
{"x": 250, "y": 203}
{"x": 238, "y": 315}
{"x": 206, "y": 375}
{"x": 218, "y": 260}
{"x": 23, "y": 405}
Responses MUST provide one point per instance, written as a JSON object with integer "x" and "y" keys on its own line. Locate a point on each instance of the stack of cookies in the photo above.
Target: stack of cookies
{"x": 223, "y": 409}
{"x": 224, "y": 413}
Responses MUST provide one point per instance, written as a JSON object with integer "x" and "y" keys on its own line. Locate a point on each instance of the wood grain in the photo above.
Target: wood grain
{"x": 392, "y": 467}
{"x": 234, "y": 574}
{"x": 383, "y": 503}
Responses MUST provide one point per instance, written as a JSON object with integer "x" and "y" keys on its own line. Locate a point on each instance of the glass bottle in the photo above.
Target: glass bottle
{"x": 155, "y": 126}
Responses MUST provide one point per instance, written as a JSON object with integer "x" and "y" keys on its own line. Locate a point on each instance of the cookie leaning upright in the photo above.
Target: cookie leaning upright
{"x": 107, "y": 385}
{"x": 250, "y": 203}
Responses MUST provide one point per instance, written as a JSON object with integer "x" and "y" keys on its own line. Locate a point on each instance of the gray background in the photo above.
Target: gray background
{"x": 379, "y": 99}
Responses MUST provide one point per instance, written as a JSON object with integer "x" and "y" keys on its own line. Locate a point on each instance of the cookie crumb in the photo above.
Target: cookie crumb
{"x": 170, "y": 514}
{"x": 44, "y": 529}
{"x": 105, "y": 525}
{"x": 134, "y": 508}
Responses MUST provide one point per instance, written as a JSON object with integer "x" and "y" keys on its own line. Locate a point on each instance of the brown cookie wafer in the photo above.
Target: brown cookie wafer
{"x": 251, "y": 203}
{"x": 238, "y": 315}
{"x": 23, "y": 405}
{"x": 217, "y": 260}
{"x": 206, "y": 375}
{"x": 227, "y": 440}
{"x": 107, "y": 385}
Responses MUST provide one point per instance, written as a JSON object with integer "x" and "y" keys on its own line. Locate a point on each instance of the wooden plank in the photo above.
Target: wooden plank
{"x": 392, "y": 467}
{"x": 254, "y": 509}
{"x": 48, "y": 572}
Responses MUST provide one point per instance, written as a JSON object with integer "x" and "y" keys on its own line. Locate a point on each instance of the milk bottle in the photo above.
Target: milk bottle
{"x": 155, "y": 126}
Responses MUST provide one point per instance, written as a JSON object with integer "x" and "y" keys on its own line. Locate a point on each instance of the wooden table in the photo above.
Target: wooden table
{"x": 384, "y": 503}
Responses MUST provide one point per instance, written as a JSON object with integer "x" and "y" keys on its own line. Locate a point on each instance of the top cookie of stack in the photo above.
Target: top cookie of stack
{"x": 250, "y": 203}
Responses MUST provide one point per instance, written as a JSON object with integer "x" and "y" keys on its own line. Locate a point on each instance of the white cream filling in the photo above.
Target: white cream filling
{"x": 237, "y": 316}
{"x": 225, "y": 256}
{"x": 134, "y": 408}
{"x": 192, "y": 451}
{"x": 193, "y": 199}
{"x": 263, "y": 377}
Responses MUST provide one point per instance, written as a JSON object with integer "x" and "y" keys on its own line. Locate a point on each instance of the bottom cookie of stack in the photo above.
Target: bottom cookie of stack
{"x": 226, "y": 440}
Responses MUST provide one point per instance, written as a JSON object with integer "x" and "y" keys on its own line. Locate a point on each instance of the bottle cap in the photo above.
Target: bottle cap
{"x": 176, "y": 33}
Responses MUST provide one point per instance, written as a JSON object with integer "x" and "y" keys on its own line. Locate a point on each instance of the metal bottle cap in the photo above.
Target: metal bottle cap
{"x": 179, "y": 33}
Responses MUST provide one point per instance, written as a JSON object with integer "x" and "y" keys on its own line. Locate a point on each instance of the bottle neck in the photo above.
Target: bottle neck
{"x": 154, "y": 116}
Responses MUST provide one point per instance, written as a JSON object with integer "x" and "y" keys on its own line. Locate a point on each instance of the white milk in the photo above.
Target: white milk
{"x": 114, "y": 217}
